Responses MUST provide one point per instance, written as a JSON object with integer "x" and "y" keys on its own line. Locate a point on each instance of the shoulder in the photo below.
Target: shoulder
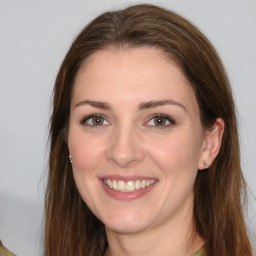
{"x": 201, "y": 252}
{"x": 4, "y": 251}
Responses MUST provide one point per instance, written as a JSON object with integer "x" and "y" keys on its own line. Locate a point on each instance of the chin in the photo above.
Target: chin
{"x": 127, "y": 223}
{"x": 126, "y": 228}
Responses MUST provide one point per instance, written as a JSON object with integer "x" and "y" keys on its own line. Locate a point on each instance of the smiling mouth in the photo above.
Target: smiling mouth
{"x": 128, "y": 186}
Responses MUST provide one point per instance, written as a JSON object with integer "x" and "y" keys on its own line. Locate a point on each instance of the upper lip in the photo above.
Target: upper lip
{"x": 126, "y": 178}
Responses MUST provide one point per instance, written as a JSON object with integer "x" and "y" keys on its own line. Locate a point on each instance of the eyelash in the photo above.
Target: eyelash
{"x": 159, "y": 116}
{"x": 162, "y": 116}
{"x": 85, "y": 120}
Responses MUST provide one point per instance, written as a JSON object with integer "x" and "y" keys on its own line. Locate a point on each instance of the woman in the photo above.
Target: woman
{"x": 144, "y": 153}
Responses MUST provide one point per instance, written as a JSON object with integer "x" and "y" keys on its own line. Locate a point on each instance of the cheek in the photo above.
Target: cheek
{"x": 177, "y": 152}
{"x": 86, "y": 152}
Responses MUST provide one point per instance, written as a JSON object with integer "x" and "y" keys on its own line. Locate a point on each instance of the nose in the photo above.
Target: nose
{"x": 125, "y": 148}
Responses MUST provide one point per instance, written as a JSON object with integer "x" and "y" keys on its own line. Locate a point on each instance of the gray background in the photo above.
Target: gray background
{"x": 34, "y": 36}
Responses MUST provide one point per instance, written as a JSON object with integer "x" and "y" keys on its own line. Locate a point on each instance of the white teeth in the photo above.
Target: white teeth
{"x": 149, "y": 182}
{"x": 137, "y": 184}
{"x": 114, "y": 184}
{"x": 121, "y": 185}
{"x": 109, "y": 183}
{"x": 143, "y": 184}
{"x": 128, "y": 186}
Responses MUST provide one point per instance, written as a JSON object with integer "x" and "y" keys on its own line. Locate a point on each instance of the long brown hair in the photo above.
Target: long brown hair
{"x": 71, "y": 228}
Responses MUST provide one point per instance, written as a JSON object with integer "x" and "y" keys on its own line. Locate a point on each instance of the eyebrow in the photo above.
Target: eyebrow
{"x": 142, "y": 106}
{"x": 96, "y": 104}
{"x": 157, "y": 103}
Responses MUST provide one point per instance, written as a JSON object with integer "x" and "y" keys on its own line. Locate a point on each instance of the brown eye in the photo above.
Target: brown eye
{"x": 160, "y": 121}
{"x": 97, "y": 120}
{"x": 94, "y": 120}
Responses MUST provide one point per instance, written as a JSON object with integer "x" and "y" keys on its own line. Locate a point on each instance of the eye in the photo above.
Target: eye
{"x": 160, "y": 121}
{"x": 94, "y": 120}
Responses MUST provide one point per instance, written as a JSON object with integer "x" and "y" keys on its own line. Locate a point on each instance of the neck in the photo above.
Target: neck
{"x": 176, "y": 237}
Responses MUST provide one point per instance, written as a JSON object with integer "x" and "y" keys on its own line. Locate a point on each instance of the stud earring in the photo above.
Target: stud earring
{"x": 70, "y": 159}
{"x": 205, "y": 163}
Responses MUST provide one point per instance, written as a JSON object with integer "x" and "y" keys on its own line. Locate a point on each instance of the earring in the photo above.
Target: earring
{"x": 205, "y": 163}
{"x": 70, "y": 159}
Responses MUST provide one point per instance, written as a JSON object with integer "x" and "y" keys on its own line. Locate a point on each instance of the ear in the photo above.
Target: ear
{"x": 211, "y": 144}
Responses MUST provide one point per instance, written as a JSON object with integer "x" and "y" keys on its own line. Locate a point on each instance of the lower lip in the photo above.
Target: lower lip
{"x": 126, "y": 196}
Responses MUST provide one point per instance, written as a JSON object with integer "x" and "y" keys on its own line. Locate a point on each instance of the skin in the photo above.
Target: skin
{"x": 128, "y": 142}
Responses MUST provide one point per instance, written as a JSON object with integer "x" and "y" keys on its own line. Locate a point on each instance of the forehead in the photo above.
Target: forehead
{"x": 128, "y": 74}
{"x": 129, "y": 60}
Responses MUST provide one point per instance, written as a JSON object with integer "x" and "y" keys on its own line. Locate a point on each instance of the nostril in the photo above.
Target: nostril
{"x": 125, "y": 159}
{"x": 123, "y": 162}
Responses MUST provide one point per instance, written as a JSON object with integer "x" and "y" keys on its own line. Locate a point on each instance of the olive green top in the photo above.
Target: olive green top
{"x": 201, "y": 252}
{"x": 4, "y": 251}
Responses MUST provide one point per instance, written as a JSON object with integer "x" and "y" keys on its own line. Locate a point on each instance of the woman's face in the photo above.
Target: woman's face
{"x": 135, "y": 139}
